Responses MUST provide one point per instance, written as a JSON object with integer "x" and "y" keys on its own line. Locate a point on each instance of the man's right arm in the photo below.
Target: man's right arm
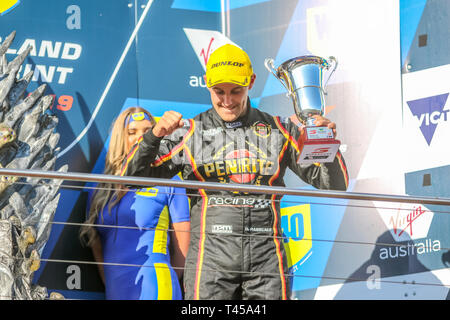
{"x": 142, "y": 154}
{"x": 144, "y": 159}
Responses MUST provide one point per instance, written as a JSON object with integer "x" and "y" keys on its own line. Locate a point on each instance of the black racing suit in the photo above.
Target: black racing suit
{"x": 235, "y": 251}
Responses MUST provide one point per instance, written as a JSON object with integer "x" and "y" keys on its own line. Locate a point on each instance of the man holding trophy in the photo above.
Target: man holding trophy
{"x": 236, "y": 249}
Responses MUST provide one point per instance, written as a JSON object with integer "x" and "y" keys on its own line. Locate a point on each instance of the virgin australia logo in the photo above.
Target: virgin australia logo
{"x": 430, "y": 112}
{"x": 406, "y": 221}
{"x": 204, "y": 42}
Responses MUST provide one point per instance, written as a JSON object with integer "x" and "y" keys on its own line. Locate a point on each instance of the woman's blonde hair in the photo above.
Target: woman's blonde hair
{"x": 115, "y": 157}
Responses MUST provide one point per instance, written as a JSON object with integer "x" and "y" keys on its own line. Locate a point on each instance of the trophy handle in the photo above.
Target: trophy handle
{"x": 335, "y": 63}
{"x": 268, "y": 63}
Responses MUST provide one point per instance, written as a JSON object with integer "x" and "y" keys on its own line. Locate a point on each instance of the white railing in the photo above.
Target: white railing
{"x": 187, "y": 184}
{"x": 140, "y": 181}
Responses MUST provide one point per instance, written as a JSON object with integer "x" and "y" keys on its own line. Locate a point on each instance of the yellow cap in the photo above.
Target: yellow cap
{"x": 228, "y": 64}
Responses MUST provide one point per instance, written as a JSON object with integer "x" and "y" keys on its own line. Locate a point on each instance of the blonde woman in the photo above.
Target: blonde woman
{"x": 131, "y": 239}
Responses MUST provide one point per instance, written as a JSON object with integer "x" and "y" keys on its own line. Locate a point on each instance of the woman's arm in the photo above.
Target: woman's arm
{"x": 97, "y": 252}
{"x": 180, "y": 237}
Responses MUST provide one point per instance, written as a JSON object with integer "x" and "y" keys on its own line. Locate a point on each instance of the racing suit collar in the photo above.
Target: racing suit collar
{"x": 239, "y": 122}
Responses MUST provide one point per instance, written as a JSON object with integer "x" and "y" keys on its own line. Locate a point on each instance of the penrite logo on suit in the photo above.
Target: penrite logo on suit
{"x": 8, "y": 5}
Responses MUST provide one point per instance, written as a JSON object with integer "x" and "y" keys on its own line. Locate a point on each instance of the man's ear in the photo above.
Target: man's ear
{"x": 252, "y": 81}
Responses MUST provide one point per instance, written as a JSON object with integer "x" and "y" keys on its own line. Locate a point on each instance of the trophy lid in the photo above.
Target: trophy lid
{"x": 302, "y": 60}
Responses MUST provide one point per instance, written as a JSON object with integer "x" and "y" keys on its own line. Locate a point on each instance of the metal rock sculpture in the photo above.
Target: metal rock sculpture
{"x": 28, "y": 140}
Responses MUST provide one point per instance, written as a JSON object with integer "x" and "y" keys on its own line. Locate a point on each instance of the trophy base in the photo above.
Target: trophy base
{"x": 318, "y": 146}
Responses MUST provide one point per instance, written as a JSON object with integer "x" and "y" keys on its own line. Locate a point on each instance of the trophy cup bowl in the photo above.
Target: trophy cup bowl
{"x": 303, "y": 79}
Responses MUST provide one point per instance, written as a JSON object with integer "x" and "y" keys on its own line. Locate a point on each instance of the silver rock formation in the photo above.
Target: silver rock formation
{"x": 28, "y": 140}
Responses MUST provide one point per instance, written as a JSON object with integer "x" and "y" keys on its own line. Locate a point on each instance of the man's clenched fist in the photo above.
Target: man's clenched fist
{"x": 169, "y": 122}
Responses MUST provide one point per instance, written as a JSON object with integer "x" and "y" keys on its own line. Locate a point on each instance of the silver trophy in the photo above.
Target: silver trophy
{"x": 303, "y": 78}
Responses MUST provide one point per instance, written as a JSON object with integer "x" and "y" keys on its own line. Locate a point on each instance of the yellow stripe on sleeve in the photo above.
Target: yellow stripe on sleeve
{"x": 160, "y": 238}
{"x": 164, "y": 281}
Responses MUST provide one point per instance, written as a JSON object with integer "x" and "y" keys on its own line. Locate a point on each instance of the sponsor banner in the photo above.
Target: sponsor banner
{"x": 406, "y": 221}
{"x": 310, "y": 226}
{"x": 426, "y": 118}
{"x": 296, "y": 224}
{"x": 77, "y": 51}
{"x": 204, "y": 42}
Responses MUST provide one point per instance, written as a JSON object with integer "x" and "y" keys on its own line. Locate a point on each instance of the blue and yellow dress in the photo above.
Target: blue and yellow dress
{"x": 143, "y": 248}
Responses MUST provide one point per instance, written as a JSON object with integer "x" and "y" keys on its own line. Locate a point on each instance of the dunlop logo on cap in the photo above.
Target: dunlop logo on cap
{"x": 227, "y": 63}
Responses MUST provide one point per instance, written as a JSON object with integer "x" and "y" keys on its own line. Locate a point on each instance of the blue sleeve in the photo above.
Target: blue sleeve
{"x": 178, "y": 204}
